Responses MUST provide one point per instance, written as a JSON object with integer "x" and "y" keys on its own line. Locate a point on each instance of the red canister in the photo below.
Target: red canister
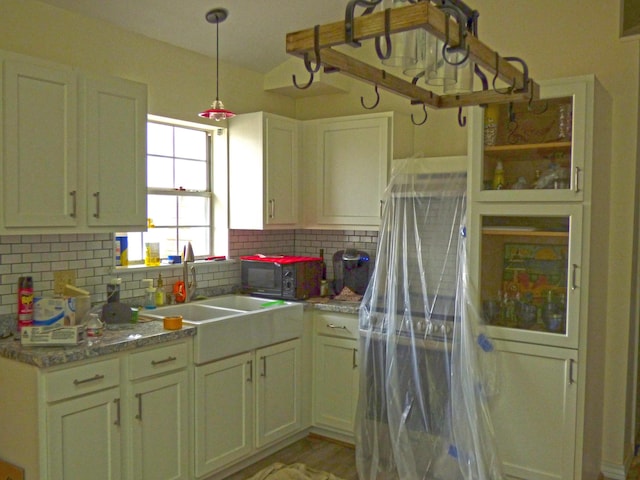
{"x": 25, "y": 302}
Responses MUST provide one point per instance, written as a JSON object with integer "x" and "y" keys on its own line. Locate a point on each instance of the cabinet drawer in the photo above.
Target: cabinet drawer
{"x": 82, "y": 379}
{"x": 336, "y": 325}
{"x": 158, "y": 360}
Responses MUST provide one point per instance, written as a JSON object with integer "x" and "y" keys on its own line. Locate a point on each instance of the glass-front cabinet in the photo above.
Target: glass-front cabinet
{"x": 532, "y": 151}
{"x": 532, "y": 259}
{"x": 529, "y": 271}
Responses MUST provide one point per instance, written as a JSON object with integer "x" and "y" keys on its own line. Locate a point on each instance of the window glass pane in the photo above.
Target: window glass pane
{"x": 162, "y": 209}
{"x": 194, "y": 211}
{"x": 199, "y": 237}
{"x": 135, "y": 246}
{"x": 191, "y": 144}
{"x": 159, "y": 139}
{"x": 159, "y": 172}
{"x": 166, "y": 237}
{"x": 191, "y": 174}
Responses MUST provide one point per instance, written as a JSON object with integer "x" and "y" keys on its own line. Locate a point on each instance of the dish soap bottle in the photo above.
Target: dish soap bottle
{"x": 149, "y": 294}
{"x": 160, "y": 292}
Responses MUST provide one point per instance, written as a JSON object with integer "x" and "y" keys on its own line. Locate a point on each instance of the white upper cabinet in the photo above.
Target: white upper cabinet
{"x": 347, "y": 162}
{"x": 74, "y": 150}
{"x": 114, "y": 113}
{"x": 40, "y": 157}
{"x": 263, "y": 171}
{"x": 534, "y": 151}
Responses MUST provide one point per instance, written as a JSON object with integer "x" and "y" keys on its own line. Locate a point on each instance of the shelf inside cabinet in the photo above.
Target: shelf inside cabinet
{"x": 522, "y": 232}
{"x": 512, "y": 151}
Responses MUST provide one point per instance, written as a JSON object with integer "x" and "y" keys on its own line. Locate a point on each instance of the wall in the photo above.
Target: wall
{"x": 557, "y": 39}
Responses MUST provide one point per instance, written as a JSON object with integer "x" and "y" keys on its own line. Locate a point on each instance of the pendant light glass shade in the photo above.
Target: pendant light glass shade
{"x": 217, "y": 111}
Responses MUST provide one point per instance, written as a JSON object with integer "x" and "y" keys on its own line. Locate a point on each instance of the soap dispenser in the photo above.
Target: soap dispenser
{"x": 160, "y": 292}
{"x": 149, "y": 294}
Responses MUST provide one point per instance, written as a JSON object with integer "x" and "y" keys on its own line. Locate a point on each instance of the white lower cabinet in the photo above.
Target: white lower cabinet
{"x": 84, "y": 437}
{"x": 246, "y": 402}
{"x": 159, "y": 414}
{"x": 534, "y": 411}
{"x": 335, "y": 373}
{"x": 121, "y": 417}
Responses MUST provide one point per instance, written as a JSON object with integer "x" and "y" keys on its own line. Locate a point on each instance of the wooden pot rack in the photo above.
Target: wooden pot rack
{"x": 315, "y": 46}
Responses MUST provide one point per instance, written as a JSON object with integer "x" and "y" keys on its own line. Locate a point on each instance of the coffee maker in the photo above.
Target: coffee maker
{"x": 351, "y": 269}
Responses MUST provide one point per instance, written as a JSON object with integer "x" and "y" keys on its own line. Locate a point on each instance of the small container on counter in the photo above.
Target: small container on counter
{"x": 25, "y": 302}
{"x": 172, "y": 323}
{"x": 149, "y": 294}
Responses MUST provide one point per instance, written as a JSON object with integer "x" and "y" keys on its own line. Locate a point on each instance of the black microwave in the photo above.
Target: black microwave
{"x": 283, "y": 277}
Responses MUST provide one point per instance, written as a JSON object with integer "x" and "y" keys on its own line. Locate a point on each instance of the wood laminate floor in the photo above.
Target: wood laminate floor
{"x": 315, "y": 452}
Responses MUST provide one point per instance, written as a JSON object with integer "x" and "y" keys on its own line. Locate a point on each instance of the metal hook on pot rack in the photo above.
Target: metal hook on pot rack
{"x": 307, "y": 62}
{"x": 462, "y": 45}
{"x": 462, "y": 120}
{"x": 369, "y": 5}
{"x": 387, "y": 37}
{"x": 375, "y": 103}
{"x": 426, "y": 115}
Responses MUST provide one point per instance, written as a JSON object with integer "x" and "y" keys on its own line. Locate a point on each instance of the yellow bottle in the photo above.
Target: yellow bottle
{"x": 160, "y": 292}
{"x": 498, "y": 177}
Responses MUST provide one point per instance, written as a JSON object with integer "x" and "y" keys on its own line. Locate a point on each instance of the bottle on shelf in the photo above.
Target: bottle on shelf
{"x": 498, "y": 176}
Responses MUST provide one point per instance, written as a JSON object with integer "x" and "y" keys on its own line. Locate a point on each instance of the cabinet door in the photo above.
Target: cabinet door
{"x": 534, "y": 152}
{"x": 160, "y": 427}
{"x": 528, "y": 265}
{"x": 335, "y": 383}
{"x": 278, "y": 391}
{"x": 534, "y": 411}
{"x": 84, "y": 437}
{"x": 223, "y": 412}
{"x": 115, "y": 115}
{"x": 40, "y": 145}
{"x": 281, "y": 152}
{"x": 353, "y": 158}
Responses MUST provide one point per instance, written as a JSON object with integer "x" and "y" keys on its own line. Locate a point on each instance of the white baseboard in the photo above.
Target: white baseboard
{"x": 613, "y": 471}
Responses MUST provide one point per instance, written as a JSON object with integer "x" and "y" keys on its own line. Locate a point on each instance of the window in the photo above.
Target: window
{"x": 180, "y": 196}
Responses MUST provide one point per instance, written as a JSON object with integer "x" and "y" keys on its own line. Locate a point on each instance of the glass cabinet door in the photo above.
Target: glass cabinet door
{"x": 532, "y": 151}
{"x": 529, "y": 271}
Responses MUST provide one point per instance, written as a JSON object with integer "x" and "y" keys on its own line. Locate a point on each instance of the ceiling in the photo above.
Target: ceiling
{"x": 253, "y": 36}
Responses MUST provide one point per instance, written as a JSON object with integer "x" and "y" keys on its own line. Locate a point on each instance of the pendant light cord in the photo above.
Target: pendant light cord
{"x": 217, "y": 57}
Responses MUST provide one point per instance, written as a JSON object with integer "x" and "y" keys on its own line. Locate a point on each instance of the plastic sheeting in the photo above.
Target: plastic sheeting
{"x": 426, "y": 366}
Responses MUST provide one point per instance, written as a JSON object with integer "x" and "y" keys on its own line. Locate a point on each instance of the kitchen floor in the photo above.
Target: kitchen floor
{"x": 315, "y": 452}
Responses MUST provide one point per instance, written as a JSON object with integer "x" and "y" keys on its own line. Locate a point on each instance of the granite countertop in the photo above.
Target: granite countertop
{"x": 128, "y": 338}
{"x": 112, "y": 341}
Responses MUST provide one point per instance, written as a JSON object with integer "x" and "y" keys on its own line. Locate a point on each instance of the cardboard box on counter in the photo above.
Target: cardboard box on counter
{"x": 52, "y": 335}
{"x": 49, "y": 311}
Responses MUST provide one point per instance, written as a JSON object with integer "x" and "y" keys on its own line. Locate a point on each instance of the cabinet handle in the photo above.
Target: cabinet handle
{"x": 250, "y": 377}
{"x": 97, "y": 197}
{"x": 576, "y": 179}
{"x": 339, "y": 327}
{"x": 571, "y": 363}
{"x": 355, "y": 358}
{"x": 73, "y": 204}
{"x": 117, "y": 402}
{"x": 574, "y": 276}
{"x": 95, "y": 378}
{"x": 272, "y": 208}
{"x": 160, "y": 362}
{"x": 264, "y": 366}
{"x": 139, "y": 414}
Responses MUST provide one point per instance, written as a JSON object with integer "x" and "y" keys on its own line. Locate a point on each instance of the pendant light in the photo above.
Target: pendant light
{"x": 217, "y": 110}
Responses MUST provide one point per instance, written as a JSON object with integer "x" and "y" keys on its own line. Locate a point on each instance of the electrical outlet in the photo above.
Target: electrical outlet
{"x": 62, "y": 278}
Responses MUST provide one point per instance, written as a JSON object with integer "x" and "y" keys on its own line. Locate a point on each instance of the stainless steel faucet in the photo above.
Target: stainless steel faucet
{"x": 189, "y": 287}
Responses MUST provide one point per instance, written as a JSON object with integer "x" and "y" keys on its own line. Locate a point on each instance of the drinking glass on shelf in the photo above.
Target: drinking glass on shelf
{"x": 564, "y": 121}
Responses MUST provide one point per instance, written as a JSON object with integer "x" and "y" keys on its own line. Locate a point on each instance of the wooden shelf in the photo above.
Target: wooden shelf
{"x": 523, "y": 233}
{"x": 550, "y": 147}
